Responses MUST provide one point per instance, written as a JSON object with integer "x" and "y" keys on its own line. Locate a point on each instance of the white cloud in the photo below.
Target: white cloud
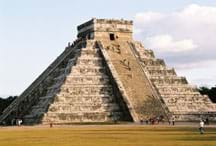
{"x": 166, "y": 43}
{"x": 200, "y": 73}
{"x": 184, "y": 38}
{"x": 199, "y": 14}
{"x": 202, "y": 64}
{"x": 194, "y": 26}
{"x": 148, "y": 17}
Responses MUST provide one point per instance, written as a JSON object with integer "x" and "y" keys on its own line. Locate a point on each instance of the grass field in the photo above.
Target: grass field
{"x": 110, "y": 135}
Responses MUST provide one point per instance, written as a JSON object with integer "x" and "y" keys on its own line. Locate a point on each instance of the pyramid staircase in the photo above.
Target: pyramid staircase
{"x": 80, "y": 90}
{"x": 143, "y": 101}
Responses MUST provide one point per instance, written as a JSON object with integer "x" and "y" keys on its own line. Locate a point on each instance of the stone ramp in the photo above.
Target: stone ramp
{"x": 140, "y": 95}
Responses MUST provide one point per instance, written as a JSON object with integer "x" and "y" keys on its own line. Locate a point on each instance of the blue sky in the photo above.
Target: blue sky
{"x": 34, "y": 32}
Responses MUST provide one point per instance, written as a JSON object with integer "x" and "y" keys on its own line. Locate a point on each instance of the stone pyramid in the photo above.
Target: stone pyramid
{"x": 106, "y": 76}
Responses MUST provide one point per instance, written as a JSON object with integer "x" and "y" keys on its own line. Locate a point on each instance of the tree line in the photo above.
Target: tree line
{"x": 5, "y": 102}
{"x": 211, "y": 92}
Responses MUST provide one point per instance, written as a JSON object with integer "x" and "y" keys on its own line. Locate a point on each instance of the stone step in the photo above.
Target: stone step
{"x": 34, "y": 115}
{"x": 199, "y": 96}
{"x": 176, "y": 109}
{"x": 87, "y": 103}
{"x": 176, "y": 89}
{"x": 107, "y": 113}
{"x": 167, "y": 78}
{"x": 90, "y": 48}
{"x": 165, "y": 72}
{"x": 68, "y": 96}
{"x": 77, "y": 117}
{"x": 177, "y": 102}
{"x": 87, "y": 79}
{"x": 185, "y": 102}
{"x": 42, "y": 103}
{"x": 153, "y": 62}
{"x": 55, "y": 86}
{"x": 169, "y": 81}
{"x": 83, "y": 107}
{"x": 86, "y": 99}
{"x": 186, "y": 98}
{"x": 75, "y": 101}
{"x": 46, "y": 97}
{"x": 180, "y": 93}
{"x": 60, "y": 77}
{"x": 89, "y": 62}
{"x": 90, "y": 91}
{"x": 156, "y": 68}
{"x": 52, "y": 90}
{"x": 73, "y": 107}
{"x": 83, "y": 70}
{"x": 75, "y": 86}
{"x": 89, "y": 53}
{"x": 86, "y": 56}
{"x": 92, "y": 100}
{"x": 191, "y": 108}
{"x": 88, "y": 67}
{"x": 144, "y": 53}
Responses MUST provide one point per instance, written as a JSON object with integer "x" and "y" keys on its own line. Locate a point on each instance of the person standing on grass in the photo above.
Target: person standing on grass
{"x": 201, "y": 128}
{"x": 173, "y": 120}
{"x": 207, "y": 121}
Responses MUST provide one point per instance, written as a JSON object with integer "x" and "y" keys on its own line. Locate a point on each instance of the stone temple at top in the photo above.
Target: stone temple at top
{"x": 106, "y": 76}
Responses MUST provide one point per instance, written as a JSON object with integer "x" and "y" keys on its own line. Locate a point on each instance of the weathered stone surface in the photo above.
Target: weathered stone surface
{"x": 106, "y": 76}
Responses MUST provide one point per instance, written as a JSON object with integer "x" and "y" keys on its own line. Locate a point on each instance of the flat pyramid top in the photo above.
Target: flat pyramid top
{"x": 105, "y": 21}
{"x": 105, "y": 25}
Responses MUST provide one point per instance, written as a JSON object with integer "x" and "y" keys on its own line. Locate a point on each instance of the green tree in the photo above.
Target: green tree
{"x": 5, "y": 102}
{"x": 211, "y": 92}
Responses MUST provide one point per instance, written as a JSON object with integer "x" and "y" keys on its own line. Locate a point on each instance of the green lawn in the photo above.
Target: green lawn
{"x": 128, "y": 135}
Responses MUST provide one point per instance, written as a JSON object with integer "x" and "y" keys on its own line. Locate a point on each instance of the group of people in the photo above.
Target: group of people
{"x": 71, "y": 45}
{"x": 172, "y": 120}
{"x": 157, "y": 120}
{"x": 153, "y": 120}
{"x": 17, "y": 122}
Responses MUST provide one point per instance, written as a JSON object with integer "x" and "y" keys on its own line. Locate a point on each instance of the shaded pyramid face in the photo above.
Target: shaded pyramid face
{"x": 106, "y": 76}
{"x": 182, "y": 100}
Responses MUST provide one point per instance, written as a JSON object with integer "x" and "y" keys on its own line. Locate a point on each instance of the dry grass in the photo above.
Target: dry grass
{"x": 128, "y": 135}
